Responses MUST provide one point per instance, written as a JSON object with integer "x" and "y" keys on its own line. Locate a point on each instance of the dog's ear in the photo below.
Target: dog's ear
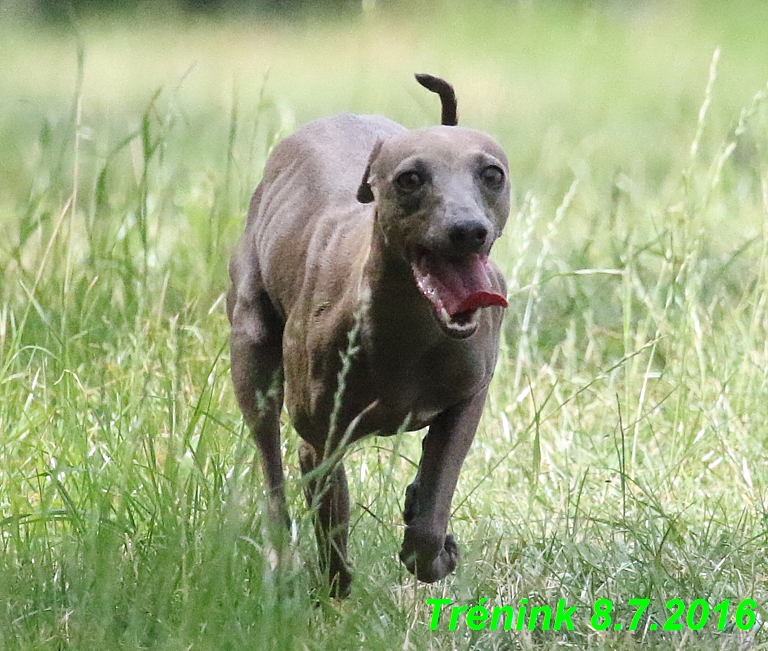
{"x": 364, "y": 192}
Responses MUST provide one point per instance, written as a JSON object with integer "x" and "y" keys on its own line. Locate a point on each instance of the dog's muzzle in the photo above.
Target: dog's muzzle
{"x": 457, "y": 287}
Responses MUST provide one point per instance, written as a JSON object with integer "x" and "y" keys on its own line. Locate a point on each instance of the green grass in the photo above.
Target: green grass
{"x": 622, "y": 453}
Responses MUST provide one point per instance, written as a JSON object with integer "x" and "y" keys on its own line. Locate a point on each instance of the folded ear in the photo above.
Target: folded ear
{"x": 364, "y": 192}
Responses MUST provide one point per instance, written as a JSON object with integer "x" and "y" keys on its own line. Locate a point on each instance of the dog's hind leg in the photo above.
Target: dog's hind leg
{"x": 327, "y": 494}
{"x": 257, "y": 373}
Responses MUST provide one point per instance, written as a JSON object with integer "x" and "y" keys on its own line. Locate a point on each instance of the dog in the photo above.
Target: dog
{"x": 363, "y": 298}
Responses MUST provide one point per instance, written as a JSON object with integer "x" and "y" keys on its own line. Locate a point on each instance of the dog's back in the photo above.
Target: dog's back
{"x": 307, "y": 200}
{"x": 323, "y": 161}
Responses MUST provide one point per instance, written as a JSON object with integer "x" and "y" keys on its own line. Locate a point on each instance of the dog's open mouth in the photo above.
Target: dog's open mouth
{"x": 457, "y": 287}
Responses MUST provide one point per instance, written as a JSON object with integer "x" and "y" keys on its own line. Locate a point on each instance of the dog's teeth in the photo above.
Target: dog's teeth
{"x": 458, "y": 328}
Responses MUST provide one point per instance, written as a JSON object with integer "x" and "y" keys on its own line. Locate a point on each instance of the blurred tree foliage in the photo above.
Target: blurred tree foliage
{"x": 59, "y": 10}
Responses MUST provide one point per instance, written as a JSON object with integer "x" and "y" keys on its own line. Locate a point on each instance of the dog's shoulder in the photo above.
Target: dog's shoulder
{"x": 326, "y": 158}
{"x": 346, "y": 132}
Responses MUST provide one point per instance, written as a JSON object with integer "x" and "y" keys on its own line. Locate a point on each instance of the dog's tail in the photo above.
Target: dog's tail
{"x": 447, "y": 97}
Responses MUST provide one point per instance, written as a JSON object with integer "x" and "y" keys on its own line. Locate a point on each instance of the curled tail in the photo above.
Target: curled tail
{"x": 447, "y": 97}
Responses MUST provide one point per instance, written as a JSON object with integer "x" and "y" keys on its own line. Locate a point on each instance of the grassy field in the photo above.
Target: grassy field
{"x": 623, "y": 452}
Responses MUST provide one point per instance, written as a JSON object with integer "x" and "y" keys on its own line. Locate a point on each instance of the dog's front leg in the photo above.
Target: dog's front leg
{"x": 428, "y": 550}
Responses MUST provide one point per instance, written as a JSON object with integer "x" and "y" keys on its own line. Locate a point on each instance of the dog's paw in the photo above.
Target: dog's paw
{"x": 341, "y": 584}
{"x": 422, "y": 560}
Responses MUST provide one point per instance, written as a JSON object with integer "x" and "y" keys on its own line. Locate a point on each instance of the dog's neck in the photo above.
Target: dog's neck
{"x": 393, "y": 307}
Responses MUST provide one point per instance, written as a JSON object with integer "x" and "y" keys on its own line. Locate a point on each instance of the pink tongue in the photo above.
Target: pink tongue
{"x": 457, "y": 284}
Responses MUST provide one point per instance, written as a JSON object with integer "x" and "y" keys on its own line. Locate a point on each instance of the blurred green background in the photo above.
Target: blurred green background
{"x": 622, "y": 452}
{"x": 570, "y": 88}
{"x": 606, "y": 93}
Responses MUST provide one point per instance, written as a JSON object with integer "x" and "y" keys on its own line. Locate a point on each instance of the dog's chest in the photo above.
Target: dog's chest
{"x": 381, "y": 392}
{"x": 410, "y": 393}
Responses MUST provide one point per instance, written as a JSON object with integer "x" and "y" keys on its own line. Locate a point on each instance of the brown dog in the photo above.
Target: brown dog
{"x": 362, "y": 289}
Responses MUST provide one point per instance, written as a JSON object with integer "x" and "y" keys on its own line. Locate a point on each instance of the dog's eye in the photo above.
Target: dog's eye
{"x": 409, "y": 181}
{"x": 492, "y": 176}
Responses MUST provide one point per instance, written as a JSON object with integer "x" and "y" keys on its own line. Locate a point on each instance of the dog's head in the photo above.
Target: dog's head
{"x": 442, "y": 199}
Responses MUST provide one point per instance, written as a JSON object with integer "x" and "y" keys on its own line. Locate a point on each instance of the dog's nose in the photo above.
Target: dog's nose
{"x": 468, "y": 236}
